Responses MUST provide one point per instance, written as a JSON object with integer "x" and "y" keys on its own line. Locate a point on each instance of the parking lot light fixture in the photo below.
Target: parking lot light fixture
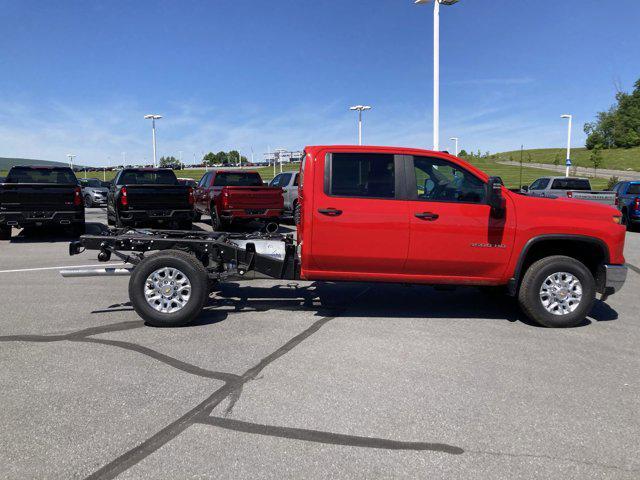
{"x": 570, "y": 118}
{"x": 436, "y": 65}
{"x": 455, "y": 139}
{"x": 153, "y": 118}
{"x": 360, "y": 109}
{"x": 71, "y": 156}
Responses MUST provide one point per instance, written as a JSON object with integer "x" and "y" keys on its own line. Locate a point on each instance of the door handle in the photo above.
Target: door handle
{"x": 330, "y": 212}
{"x": 429, "y": 216}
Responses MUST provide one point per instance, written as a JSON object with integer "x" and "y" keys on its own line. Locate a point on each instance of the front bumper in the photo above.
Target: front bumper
{"x": 611, "y": 278}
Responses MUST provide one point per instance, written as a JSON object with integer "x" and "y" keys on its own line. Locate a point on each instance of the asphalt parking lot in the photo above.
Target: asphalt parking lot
{"x": 308, "y": 380}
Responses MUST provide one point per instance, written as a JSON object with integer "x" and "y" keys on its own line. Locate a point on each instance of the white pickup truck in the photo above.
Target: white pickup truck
{"x": 571, "y": 187}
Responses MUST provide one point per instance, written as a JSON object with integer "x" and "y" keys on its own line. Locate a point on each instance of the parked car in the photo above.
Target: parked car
{"x": 94, "y": 192}
{"x": 288, "y": 182}
{"x": 235, "y": 196}
{"x": 629, "y": 202}
{"x": 148, "y": 196}
{"x": 40, "y": 196}
{"x": 380, "y": 214}
{"x": 190, "y": 182}
{"x": 570, "y": 187}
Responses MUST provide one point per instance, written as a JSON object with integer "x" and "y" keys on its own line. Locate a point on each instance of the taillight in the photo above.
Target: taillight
{"x": 636, "y": 204}
{"x": 191, "y": 199}
{"x": 77, "y": 197}
{"x": 124, "y": 200}
{"x": 570, "y": 194}
{"x": 225, "y": 200}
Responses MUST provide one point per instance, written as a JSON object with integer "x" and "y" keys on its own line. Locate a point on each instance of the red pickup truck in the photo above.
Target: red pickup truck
{"x": 229, "y": 196}
{"x": 381, "y": 214}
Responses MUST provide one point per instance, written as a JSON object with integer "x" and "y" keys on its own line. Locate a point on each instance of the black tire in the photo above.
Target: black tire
{"x": 5, "y": 232}
{"x": 529, "y": 294}
{"x": 190, "y": 267}
{"x": 296, "y": 213}
{"x": 215, "y": 220}
{"x": 110, "y": 221}
{"x": 78, "y": 229}
{"x": 88, "y": 203}
{"x": 185, "y": 225}
{"x": 197, "y": 216}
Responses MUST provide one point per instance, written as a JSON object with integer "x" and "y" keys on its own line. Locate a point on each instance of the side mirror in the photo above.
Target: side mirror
{"x": 494, "y": 197}
{"x": 525, "y": 188}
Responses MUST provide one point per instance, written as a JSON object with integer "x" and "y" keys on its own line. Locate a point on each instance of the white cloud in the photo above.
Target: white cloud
{"x": 50, "y": 130}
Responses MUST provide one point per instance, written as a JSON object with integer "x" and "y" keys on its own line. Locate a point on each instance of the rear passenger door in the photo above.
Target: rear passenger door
{"x": 360, "y": 223}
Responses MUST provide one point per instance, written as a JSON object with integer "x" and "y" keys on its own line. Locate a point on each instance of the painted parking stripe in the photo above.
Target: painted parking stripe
{"x": 634, "y": 268}
{"x": 62, "y": 267}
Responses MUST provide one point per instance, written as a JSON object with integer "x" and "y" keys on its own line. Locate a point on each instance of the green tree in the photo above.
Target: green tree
{"x": 167, "y": 161}
{"x": 209, "y": 159}
{"x": 529, "y": 157}
{"x": 556, "y": 160}
{"x": 619, "y": 127}
{"x": 612, "y": 182}
{"x": 221, "y": 158}
{"x": 596, "y": 160}
{"x": 463, "y": 153}
{"x": 233, "y": 157}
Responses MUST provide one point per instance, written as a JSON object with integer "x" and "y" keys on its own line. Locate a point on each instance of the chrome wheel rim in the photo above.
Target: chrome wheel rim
{"x": 561, "y": 293}
{"x": 167, "y": 290}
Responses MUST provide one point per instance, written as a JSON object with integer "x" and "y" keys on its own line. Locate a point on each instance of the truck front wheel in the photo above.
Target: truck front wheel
{"x": 557, "y": 292}
{"x": 169, "y": 289}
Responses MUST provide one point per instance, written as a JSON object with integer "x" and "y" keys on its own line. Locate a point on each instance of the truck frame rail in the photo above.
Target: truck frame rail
{"x": 222, "y": 254}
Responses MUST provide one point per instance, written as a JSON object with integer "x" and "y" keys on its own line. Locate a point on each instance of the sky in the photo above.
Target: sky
{"x": 254, "y": 75}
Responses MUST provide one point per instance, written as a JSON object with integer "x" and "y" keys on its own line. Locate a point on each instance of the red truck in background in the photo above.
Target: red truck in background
{"x": 402, "y": 215}
{"x": 233, "y": 196}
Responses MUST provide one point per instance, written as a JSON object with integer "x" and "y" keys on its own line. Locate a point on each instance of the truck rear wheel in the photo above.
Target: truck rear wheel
{"x": 169, "y": 289}
{"x": 5, "y": 232}
{"x": 557, "y": 292}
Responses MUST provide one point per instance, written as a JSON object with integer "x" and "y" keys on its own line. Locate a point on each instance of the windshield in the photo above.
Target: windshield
{"x": 148, "y": 177}
{"x": 240, "y": 179}
{"x": 41, "y": 175}
{"x": 571, "y": 184}
{"x": 91, "y": 182}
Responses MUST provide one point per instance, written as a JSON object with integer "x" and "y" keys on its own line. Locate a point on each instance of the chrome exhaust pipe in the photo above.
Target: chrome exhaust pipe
{"x": 96, "y": 272}
{"x": 12, "y": 223}
{"x": 65, "y": 222}
{"x": 271, "y": 227}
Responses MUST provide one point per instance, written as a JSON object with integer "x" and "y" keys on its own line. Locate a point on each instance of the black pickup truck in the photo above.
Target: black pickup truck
{"x": 40, "y": 196}
{"x": 149, "y": 196}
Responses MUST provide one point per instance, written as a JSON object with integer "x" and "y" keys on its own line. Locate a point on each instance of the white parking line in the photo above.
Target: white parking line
{"x": 60, "y": 268}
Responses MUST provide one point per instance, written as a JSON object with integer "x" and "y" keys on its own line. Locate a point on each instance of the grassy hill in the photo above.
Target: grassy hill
{"x": 510, "y": 174}
{"x": 616, "y": 159}
{"x": 7, "y": 163}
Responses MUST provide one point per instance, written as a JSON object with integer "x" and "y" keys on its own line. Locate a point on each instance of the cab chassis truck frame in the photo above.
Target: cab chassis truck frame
{"x": 171, "y": 286}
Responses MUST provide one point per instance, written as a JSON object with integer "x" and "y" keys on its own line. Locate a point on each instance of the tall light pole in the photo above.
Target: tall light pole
{"x": 455, "y": 139}
{"x": 153, "y": 119}
{"x": 570, "y": 117}
{"x": 360, "y": 109}
{"x": 71, "y": 157}
{"x": 436, "y": 66}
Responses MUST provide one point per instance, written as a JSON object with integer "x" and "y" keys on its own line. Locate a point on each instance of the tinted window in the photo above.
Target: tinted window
{"x": 148, "y": 177}
{"x": 276, "y": 181}
{"x": 571, "y": 184}
{"x": 239, "y": 179}
{"x": 285, "y": 179}
{"x": 634, "y": 189}
{"x": 295, "y": 180}
{"x": 362, "y": 175}
{"x": 204, "y": 181}
{"x": 91, "y": 182}
{"x": 539, "y": 184}
{"x": 438, "y": 180}
{"x": 41, "y": 175}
